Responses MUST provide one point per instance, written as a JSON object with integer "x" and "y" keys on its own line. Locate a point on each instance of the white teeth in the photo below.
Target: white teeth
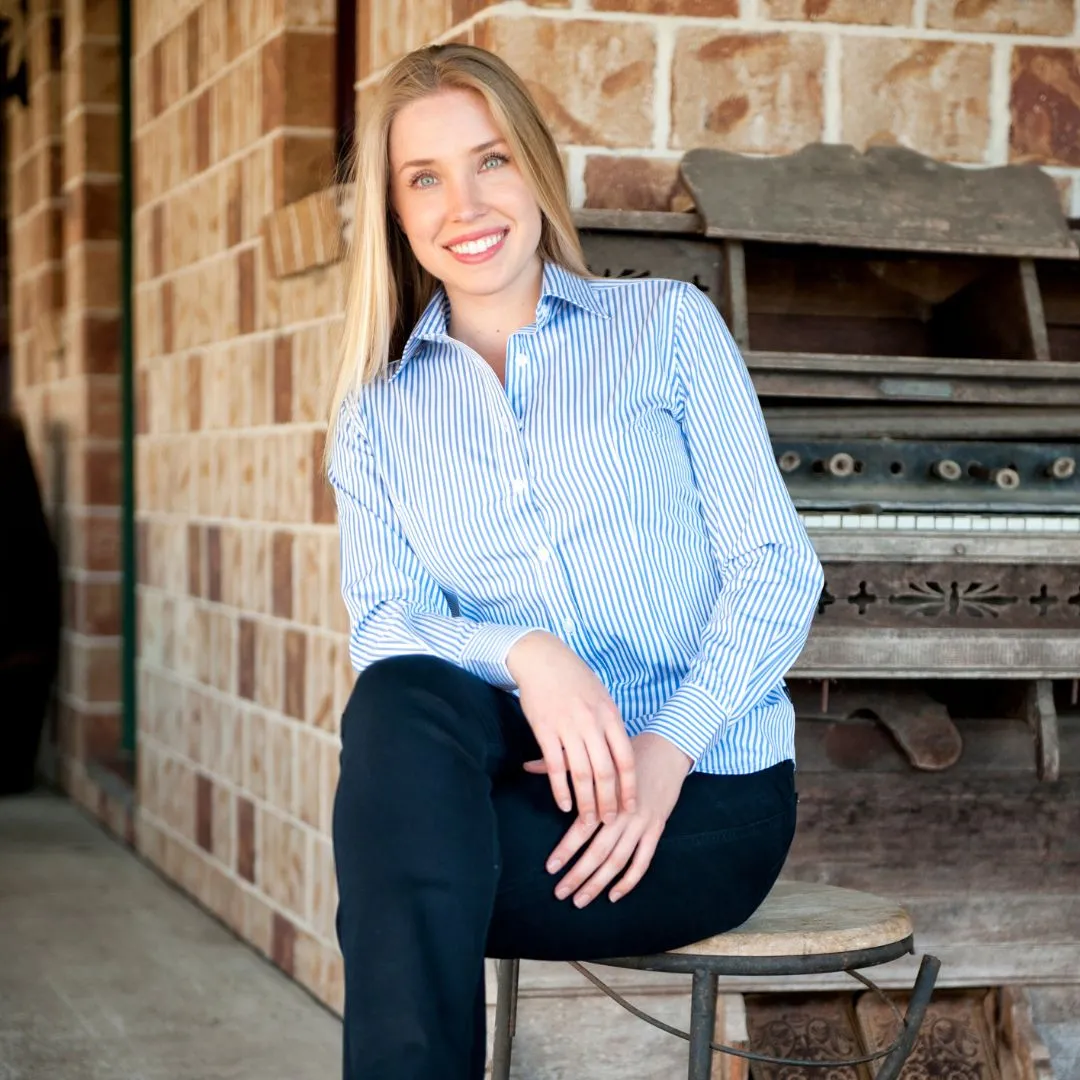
{"x": 475, "y": 247}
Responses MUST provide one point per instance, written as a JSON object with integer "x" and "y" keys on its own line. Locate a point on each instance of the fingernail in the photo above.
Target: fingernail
{"x": 553, "y": 866}
{"x": 616, "y": 896}
{"x": 581, "y": 901}
{"x": 566, "y": 806}
{"x": 562, "y": 892}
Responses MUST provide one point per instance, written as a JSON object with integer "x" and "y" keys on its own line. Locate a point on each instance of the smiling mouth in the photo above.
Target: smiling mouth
{"x": 478, "y": 247}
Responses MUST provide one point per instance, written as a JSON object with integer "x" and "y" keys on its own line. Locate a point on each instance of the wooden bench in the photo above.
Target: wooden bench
{"x": 800, "y": 929}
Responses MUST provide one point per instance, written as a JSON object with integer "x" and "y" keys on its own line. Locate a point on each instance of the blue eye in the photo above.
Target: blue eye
{"x": 499, "y": 159}
{"x": 417, "y": 180}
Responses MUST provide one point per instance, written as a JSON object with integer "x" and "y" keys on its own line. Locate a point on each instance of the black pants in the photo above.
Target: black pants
{"x": 440, "y": 841}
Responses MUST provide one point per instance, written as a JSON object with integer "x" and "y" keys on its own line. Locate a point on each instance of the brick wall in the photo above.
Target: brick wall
{"x": 629, "y": 85}
{"x": 64, "y": 285}
{"x": 242, "y": 663}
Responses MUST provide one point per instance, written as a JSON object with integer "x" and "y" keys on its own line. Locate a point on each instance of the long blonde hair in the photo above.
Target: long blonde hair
{"x": 387, "y": 288}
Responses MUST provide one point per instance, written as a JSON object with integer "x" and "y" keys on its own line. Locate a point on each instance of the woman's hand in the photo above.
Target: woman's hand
{"x": 632, "y": 837}
{"x": 577, "y": 726}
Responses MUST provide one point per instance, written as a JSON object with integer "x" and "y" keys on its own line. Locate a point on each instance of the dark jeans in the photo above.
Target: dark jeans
{"x": 440, "y": 840}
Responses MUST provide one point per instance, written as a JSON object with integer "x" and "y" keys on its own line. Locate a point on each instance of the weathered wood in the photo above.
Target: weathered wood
{"x": 914, "y": 378}
{"x": 643, "y": 221}
{"x": 1036, "y": 315}
{"x": 1041, "y": 714}
{"x": 888, "y": 197}
{"x": 921, "y": 422}
{"x": 735, "y": 303}
{"x": 998, "y": 315}
{"x": 616, "y": 254}
{"x": 1018, "y": 1037}
{"x": 809, "y": 919}
{"x": 924, "y": 544}
{"x": 921, "y": 726}
{"x": 829, "y": 744}
{"x": 938, "y": 653}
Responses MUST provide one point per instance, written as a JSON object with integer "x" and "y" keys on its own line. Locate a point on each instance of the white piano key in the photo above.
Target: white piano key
{"x": 980, "y": 524}
{"x": 1017, "y": 524}
{"x": 1071, "y": 525}
{"x": 886, "y": 521}
{"x": 999, "y": 524}
{"x": 924, "y": 522}
{"x": 905, "y": 521}
{"x": 832, "y": 521}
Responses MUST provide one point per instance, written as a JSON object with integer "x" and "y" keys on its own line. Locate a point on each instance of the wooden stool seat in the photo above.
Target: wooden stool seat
{"x": 800, "y": 928}
{"x": 806, "y": 919}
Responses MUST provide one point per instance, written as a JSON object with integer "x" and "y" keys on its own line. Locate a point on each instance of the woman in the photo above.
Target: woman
{"x": 574, "y": 578}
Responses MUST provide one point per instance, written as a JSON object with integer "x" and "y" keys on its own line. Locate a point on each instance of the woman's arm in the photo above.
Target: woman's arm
{"x": 771, "y": 576}
{"x": 394, "y": 605}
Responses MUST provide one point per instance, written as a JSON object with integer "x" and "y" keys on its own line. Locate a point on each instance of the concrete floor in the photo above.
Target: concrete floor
{"x": 109, "y": 973}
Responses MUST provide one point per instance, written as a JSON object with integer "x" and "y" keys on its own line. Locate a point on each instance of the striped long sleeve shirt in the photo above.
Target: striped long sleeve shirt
{"x": 619, "y": 491}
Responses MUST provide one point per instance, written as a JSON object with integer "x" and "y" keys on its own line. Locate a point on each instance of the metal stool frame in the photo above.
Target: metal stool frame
{"x": 705, "y": 971}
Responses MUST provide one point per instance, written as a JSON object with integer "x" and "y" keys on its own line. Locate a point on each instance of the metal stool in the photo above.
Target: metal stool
{"x": 800, "y": 929}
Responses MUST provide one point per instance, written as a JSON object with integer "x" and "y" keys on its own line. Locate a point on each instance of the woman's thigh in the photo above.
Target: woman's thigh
{"x": 721, "y": 851}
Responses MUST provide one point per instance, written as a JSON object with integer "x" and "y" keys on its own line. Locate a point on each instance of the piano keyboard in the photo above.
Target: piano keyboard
{"x": 925, "y": 523}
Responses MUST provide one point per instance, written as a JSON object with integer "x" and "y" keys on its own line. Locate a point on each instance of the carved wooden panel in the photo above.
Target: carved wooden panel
{"x": 1003, "y": 595}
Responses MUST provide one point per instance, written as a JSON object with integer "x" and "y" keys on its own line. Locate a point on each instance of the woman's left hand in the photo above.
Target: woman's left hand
{"x": 661, "y": 767}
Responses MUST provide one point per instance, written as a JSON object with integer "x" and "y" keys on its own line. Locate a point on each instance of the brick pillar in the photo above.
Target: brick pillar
{"x": 64, "y": 280}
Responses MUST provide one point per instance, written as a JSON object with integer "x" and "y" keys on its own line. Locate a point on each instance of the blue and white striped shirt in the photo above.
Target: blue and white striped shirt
{"x": 619, "y": 492}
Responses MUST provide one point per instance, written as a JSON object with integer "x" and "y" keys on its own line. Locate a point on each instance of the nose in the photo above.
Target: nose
{"x": 465, "y": 201}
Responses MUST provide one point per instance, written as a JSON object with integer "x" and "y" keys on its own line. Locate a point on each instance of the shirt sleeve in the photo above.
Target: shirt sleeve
{"x": 771, "y": 577}
{"x": 395, "y": 607}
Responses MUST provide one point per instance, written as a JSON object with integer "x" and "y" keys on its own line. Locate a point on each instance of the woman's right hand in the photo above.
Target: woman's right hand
{"x": 577, "y": 726}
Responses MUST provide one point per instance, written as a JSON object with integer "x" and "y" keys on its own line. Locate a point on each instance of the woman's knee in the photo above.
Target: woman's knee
{"x": 389, "y": 694}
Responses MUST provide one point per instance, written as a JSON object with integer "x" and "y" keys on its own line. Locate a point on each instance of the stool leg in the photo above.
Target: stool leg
{"x": 505, "y": 1017}
{"x": 702, "y": 1025}
{"x": 916, "y": 1010}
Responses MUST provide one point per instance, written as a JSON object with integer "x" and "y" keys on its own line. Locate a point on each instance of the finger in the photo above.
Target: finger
{"x": 622, "y": 754}
{"x": 590, "y": 860}
{"x": 576, "y": 836}
{"x": 581, "y": 776}
{"x": 643, "y": 857}
{"x": 610, "y": 868}
{"x": 555, "y": 766}
{"x": 604, "y": 776}
{"x": 538, "y": 766}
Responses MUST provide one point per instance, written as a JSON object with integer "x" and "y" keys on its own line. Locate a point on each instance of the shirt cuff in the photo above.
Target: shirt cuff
{"x": 690, "y": 718}
{"x": 486, "y": 650}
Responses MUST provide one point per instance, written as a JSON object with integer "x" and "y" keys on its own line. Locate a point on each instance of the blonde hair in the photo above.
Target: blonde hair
{"x": 387, "y": 288}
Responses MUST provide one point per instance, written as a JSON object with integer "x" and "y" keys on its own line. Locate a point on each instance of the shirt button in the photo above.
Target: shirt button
{"x": 522, "y": 360}
{"x": 518, "y": 485}
{"x": 543, "y": 554}
{"x": 568, "y": 627}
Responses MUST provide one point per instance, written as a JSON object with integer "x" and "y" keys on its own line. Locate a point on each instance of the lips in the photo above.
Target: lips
{"x": 473, "y": 237}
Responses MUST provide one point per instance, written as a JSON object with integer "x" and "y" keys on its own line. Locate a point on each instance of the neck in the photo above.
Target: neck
{"x": 484, "y": 323}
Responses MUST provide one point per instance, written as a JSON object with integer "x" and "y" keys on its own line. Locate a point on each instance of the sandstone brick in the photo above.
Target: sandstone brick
{"x": 706, "y": 9}
{"x": 245, "y": 838}
{"x": 932, "y": 96}
{"x": 283, "y": 943}
{"x": 204, "y": 808}
{"x": 1045, "y": 106}
{"x": 592, "y": 80}
{"x": 302, "y": 164}
{"x": 293, "y": 690}
{"x": 282, "y": 855}
{"x": 751, "y": 93}
{"x": 623, "y": 183}
{"x": 870, "y": 12}
{"x": 282, "y": 379}
{"x": 298, "y": 80}
{"x": 1003, "y": 16}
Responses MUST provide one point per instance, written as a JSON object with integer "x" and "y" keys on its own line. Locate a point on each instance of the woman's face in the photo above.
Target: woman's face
{"x": 471, "y": 219}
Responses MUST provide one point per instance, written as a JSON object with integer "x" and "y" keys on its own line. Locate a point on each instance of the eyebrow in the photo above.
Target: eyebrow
{"x": 429, "y": 161}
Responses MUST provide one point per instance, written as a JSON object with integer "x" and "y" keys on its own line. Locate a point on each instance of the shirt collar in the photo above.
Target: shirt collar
{"x": 558, "y": 284}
